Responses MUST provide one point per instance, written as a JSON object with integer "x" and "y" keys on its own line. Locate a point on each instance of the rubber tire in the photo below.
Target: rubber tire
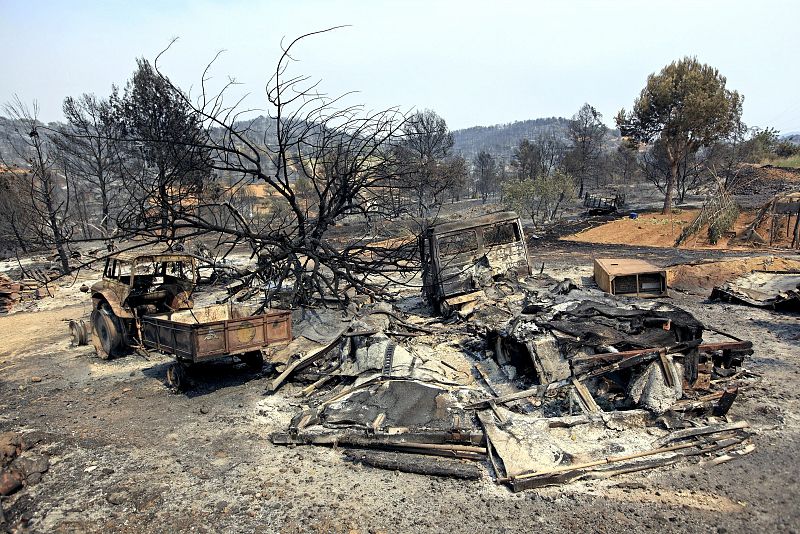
{"x": 253, "y": 360}
{"x": 106, "y": 335}
{"x": 176, "y": 377}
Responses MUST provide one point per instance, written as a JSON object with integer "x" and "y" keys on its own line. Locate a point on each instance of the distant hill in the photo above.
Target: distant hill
{"x": 500, "y": 140}
{"x": 792, "y": 137}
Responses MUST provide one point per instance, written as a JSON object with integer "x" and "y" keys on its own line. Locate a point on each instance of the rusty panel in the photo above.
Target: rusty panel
{"x": 210, "y": 340}
{"x": 205, "y": 341}
{"x": 279, "y": 327}
{"x": 245, "y": 334}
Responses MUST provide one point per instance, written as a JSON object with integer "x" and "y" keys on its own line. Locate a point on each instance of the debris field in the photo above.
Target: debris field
{"x": 503, "y": 382}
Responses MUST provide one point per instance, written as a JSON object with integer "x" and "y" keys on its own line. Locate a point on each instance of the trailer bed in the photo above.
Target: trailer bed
{"x": 216, "y": 331}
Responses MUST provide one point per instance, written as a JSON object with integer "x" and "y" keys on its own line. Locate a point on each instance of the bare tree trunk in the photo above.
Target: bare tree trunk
{"x": 55, "y": 228}
{"x": 670, "y": 187}
{"x": 105, "y": 222}
{"x": 18, "y": 236}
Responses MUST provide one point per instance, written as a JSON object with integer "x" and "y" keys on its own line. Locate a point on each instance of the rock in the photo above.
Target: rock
{"x": 117, "y": 497}
{"x": 10, "y": 438}
{"x": 36, "y": 379}
{"x": 31, "y": 463}
{"x": 10, "y": 481}
{"x": 510, "y": 371}
{"x": 30, "y": 439}
{"x": 7, "y": 452}
{"x": 204, "y": 409}
{"x": 631, "y": 485}
{"x": 43, "y": 292}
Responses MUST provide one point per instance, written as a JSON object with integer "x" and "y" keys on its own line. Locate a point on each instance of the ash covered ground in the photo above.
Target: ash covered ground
{"x": 127, "y": 454}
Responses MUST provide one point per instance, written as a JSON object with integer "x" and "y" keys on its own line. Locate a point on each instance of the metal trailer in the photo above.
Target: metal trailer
{"x": 213, "y": 333}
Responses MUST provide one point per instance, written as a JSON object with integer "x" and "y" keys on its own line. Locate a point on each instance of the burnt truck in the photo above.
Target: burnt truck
{"x": 460, "y": 257}
{"x": 145, "y": 300}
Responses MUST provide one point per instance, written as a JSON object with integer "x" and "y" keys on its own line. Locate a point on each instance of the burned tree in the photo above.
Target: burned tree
{"x": 428, "y": 167}
{"x": 485, "y": 174}
{"x": 16, "y": 213}
{"x": 586, "y": 131}
{"x": 164, "y": 145}
{"x": 343, "y": 157}
{"x": 47, "y": 182}
{"x": 89, "y": 143}
{"x": 657, "y": 169}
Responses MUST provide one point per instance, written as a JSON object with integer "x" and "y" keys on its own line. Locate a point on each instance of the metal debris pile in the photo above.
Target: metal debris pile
{"x": 775, "y": 290}
{"x": 539, "y": 382}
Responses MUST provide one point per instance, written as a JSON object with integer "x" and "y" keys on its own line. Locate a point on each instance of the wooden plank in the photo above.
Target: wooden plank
{"x": 622, "y": 364}
{"x": 527, "y": 393}
{"x": 301, "y": 362}
{"x": 705, "y": 347}
{"x": 462, "y": 299}
{"x": 586, "y": 397}
{"x": 416, "y": 463}
{"x": 702, "y": 431}
{"x": 666, "y": 369}
{"x": 726, "y": 401}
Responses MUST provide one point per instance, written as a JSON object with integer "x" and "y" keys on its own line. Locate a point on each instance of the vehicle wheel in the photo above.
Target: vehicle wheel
{"x": 253, "y": 360}
{"x": 106, "y": 334}
{"x": 77, "y": 330}
{"x": 176, "y": 377}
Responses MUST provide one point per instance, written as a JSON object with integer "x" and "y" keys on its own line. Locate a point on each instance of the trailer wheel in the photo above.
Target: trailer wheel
{"x": 176, "y": 377}
{"x": 106, "y": 334}
{"x": 253, "y": 360}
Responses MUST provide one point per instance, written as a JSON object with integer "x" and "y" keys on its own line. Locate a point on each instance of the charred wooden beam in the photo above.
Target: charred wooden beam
{"x": 416, "y": 463}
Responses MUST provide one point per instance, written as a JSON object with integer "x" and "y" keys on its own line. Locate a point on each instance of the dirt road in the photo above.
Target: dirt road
{"x": 127, "y": 455}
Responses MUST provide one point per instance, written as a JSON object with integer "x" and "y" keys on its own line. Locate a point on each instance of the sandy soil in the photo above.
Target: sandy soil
{"x": 700, "y": 278}
{"x": 657, "y": 230}
{"x": 128, "y": 455}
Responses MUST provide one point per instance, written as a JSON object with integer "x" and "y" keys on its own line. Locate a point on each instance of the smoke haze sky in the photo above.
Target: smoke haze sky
{"x": 474, "y": 63}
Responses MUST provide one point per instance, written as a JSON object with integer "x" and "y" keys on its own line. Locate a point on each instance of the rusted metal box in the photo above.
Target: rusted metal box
{"x": 630, "y": 278}
{"x": 216, "y": 331}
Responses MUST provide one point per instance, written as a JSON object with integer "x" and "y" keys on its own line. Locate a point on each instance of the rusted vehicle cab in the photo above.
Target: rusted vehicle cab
{"x": 135, "y": 284}
{"x": 458, "y": 258}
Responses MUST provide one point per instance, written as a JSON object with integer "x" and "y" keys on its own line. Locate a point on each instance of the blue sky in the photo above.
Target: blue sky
{"x": 474, "y": 63}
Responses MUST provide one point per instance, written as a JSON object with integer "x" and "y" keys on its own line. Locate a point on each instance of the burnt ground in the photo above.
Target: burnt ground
{"x": 128, "y": 455}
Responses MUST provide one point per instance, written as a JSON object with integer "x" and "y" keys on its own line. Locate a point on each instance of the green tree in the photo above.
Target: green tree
{"x": 686, "y": 106}
{"x": 541, "y": 198}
